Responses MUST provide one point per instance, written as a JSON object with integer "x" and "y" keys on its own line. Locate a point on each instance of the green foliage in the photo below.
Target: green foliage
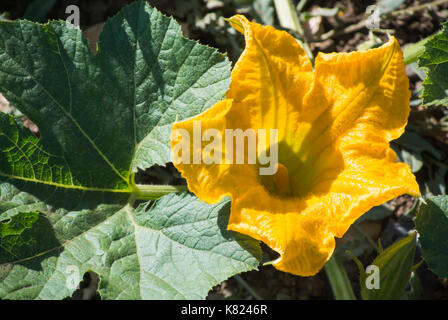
{"x": 338, "y": 278}
{"x": 376, "y": 213}
{"x": 176, "y": 248}
{"x": 68, "y": 196}
{"x": 358, "y": 244}
{"x": 410, "y": 148}
{"x": 435, "y": 60}
{"x": 395, "y": 266}
{"x": 38, "y": 9}
{"x": 102, "y": 116}
{"x": 24, "y": 234}
{"x": 432, "y": 226}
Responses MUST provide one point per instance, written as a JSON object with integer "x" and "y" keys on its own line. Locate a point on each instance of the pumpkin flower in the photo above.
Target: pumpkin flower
{"x": 334, "y": 125}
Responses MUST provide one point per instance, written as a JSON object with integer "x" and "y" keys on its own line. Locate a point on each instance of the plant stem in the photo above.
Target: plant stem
{"x": 153, "y": 192}
{"x": 412, "y": 51}
{"x": 340, "y": 284}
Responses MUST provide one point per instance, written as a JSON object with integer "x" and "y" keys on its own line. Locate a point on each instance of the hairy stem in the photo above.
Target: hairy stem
{"x": 412, "y": 51}
{"x": 153, "y": 192}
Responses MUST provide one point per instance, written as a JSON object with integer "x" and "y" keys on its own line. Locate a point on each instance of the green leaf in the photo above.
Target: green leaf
{"x": 102, "y": 116}
{"x": 355, "y": 239}
{"x": 432, "y": 226}
{"x": 415, "y": 291}
{"x": 394, "y": 266}
{"x": 23, "y": 235}
{"x": 414, "y": 160}
{"x": 376, "y": 213}
{"x": 417, "y": 144}
{"x": 410, "y": 147}
{"x": 338, "y": 278}
{"x": 436, "y": 185}
{"x": 435, "y": 60}
{"x": 38, "y": 10}
{"x": 176, "y": 248}
{"x": 66, "y": 198}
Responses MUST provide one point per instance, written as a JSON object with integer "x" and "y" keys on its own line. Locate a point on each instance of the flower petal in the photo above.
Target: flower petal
{"x": 358, "y": 103}
{"x": 270, "y": 78}
{"x": 363, "y": 101}
{"x": 334, "y": 128}
{"x": 268, "y": 81}
{"x": 302, "y": 238}
{"x": 211, "y": 182}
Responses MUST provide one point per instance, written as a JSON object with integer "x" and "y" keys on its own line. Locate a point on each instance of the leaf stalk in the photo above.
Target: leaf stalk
{"x": 153, "y": 192}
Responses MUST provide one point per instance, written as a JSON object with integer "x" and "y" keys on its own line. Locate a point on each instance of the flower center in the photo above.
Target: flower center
{"x": 278, "y": 183}
{"x": 281, "y": 179}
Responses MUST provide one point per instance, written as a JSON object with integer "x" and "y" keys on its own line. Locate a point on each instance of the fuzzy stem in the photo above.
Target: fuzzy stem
{"x": 412, "y": 51}
{"x": 153, "y": 192}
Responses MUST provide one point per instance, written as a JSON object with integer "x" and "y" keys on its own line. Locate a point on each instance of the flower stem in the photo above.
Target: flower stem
{"x": 412, "y": 51}
{"x": 152, "y": 192}
{"x": 340, "y": 284}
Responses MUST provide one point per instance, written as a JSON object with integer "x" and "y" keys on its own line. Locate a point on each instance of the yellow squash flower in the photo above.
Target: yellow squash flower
{"x": 334, "y": 127}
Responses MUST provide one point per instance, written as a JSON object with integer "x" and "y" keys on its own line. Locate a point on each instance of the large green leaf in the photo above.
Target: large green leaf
{"x": 391, "y": 271}
{"x": 178, "y": 248}
{"x": 435, "y": 60}
{"x": 66, "y": 198}
{"x": 432, "y": 226}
